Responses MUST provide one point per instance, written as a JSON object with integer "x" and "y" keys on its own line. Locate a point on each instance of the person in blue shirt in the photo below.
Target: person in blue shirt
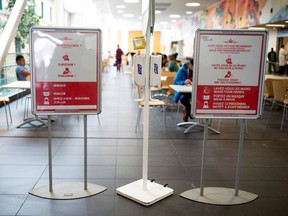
{"x": 184, "y": 77}
{"x": 21, "y": 71}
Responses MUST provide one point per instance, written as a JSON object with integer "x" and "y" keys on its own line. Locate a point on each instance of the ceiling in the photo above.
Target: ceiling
{"x": 110, "y": 13}
{"x": 166, "y": 7}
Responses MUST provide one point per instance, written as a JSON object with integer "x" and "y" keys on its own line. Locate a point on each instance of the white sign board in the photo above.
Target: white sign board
{"x": 66, "y": 68}
{"x": 228, "y": 73}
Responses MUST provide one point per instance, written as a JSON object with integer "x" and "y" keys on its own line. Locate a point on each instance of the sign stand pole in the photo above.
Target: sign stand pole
{"x": 143, "y": 191}
{"x": 240, "y": 151}
{"x": 218, "y": 195}
{"x": 67, "y": 190}
{"x": 203, "y": 157}
{"x": 85, "y": 152}
{"x": 50, "y": 154}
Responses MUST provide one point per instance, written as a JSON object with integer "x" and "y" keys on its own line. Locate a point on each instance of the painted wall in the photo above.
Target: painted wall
{"x": 230, "y": 14}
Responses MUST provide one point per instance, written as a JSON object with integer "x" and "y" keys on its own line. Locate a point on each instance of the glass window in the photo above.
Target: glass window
{"x": 42, "y": 10}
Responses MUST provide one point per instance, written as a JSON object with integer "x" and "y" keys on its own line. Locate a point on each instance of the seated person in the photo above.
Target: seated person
{"x": 164, "y": 60}
{"x": 183, "y": 77}
{"x": 172, "y": 64}
{"x": 21, "y": 71}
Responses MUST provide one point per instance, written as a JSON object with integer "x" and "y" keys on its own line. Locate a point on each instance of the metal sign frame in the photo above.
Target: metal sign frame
{"x": 228, "y": 78}
{"x": 66, "y": 70}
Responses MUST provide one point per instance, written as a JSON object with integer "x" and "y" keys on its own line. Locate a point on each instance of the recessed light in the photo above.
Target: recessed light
{"x": 174, "y": 16}
{"x": 120, "y": 6}
{"x": 128, "y": 15}
{"x": 193, "y": 4}
{"x": 157, "y": 12}
{"x": 188, "y": 12}
{"x": 131, "y": 1}
{"x": 275, "y": 25}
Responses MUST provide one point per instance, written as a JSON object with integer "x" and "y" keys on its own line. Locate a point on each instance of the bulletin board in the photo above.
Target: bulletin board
{"x": 66, "y": 70}
{"x": 229, "y": 68}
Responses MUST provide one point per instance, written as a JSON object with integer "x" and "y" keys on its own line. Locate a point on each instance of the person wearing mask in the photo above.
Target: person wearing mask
{"x": 22, "y": 71}
{"x": 184, "y": 77}
{"x": 282, "y": 59}
{"x": 172, "y": 64}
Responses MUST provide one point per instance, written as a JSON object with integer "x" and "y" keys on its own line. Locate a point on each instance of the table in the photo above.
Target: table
{"x": 182, "y": 88}
{"x": 188, "y": 89}
{"x": 17, "y": 85}
{"x": 276, "y": 77}
{"x": 24, "y": 85}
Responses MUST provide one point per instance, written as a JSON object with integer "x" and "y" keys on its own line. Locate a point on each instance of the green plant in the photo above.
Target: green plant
{"x": 29, "y": 19}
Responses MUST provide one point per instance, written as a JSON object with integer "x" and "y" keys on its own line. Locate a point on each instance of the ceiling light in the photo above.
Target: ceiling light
{"x": 275, "y": 25}
{"x": 120, "y": 11}
{"x": 193, "y": 4}
{"x": 174, "y": 16}
{"x": 128, "y": 15}
{"x": 188, "y": 12}
{"x": 120, "y": 6}
{"x": 157, "y": 12}
{"x": 131, "y": 1}
{"x": 164, "y": 23}
{"x": 173, "y": 21}
{"x": 256, "y": 28}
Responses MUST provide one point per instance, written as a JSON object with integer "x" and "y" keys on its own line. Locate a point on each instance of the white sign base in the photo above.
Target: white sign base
{"x": 219, "y": 196}
{"x": 68, "y": 190}
{"x": 154, "y": 192}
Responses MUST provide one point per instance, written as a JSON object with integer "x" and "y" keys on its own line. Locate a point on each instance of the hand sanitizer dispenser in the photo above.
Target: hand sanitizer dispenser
{"x": 155, "y": 71}
{"x": 139, "y": 70}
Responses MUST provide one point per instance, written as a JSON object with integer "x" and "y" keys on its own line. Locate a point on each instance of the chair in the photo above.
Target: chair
{"x": 26, "y": 106}
{"x": 170, "y": 93}
{"x": 268, "y": 92}
{"x": 280, "y": 90}
{"x": 164, "y": 84}
{"x": 152, "y": 104}
{"x": 5, "y": 101}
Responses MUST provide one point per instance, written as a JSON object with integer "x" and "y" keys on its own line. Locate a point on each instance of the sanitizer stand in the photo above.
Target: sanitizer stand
{"x": 144, "y": 191}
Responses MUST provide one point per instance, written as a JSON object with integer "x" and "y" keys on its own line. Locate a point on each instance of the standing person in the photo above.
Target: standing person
{"x": 119, "y": 54}
{"x": 282, "y": 59}
{"x": 272, "y": 61}
{"x": 22, "y": 72}
{"x": 184, "y": 77}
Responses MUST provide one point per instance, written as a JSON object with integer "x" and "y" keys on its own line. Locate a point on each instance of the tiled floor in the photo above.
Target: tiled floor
{"x": 115, "y": 159}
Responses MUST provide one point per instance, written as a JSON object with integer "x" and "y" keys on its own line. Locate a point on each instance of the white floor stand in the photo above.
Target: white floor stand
{"x": 154, "y": 192}
{"x": 143, "y": 191}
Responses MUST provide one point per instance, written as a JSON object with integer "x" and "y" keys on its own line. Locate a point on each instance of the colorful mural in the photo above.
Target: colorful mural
{"x": 231, "y": 14}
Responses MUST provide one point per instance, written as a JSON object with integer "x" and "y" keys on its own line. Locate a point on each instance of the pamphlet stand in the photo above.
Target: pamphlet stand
{"x": 218, "y": 195}
{"x": 67, "y": 190}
